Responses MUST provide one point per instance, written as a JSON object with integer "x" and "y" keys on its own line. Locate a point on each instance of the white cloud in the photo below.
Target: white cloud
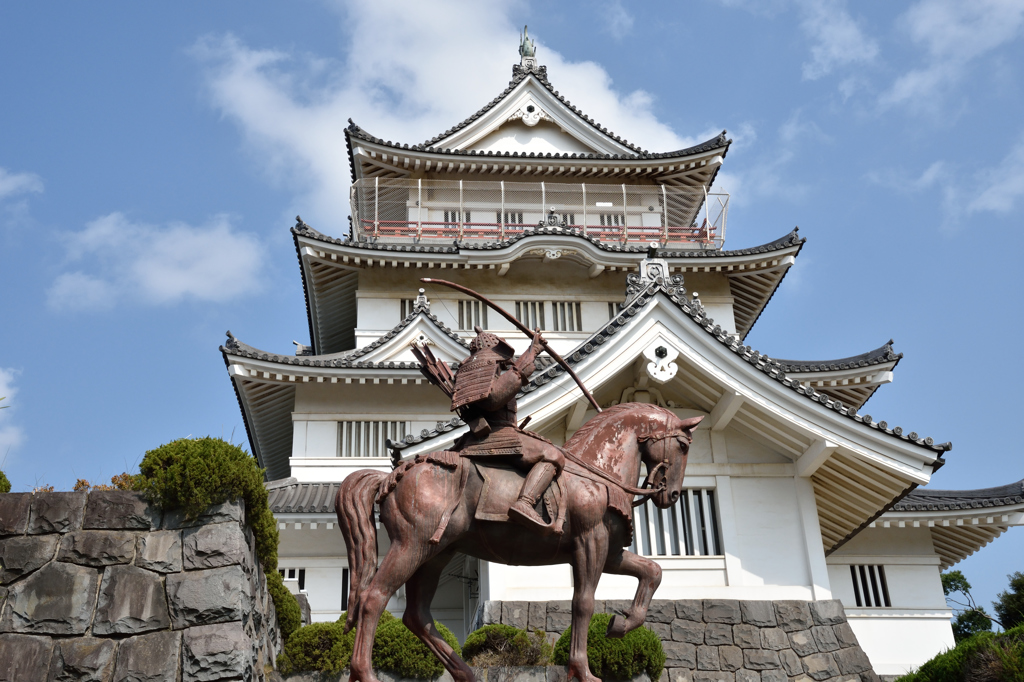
{"x": 952, "y": 34}
{"x": 13, "y": 184}
{"x": 117, "y": 260}
{"x": 837, "y": 39}
{"x": 401, "y": 82}
{"x": 618, "y": 21}
{"x": 11, "y": 435}
{"x": 1002, "y": 187}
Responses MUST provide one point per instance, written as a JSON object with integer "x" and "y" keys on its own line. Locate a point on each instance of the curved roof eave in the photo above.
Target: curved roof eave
{"x": 925, "y": 499}
{"x": 880, "y": 355}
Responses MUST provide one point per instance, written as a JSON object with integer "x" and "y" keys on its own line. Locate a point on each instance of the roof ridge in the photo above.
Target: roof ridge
{"x": 882, "y": 354}
{"x": 923, "y": 499}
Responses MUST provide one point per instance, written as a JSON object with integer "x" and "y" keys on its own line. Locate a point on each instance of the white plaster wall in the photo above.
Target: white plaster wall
{"x": 896, "y": 641}
{"x": 769, "y": 536}
{"x": 516, "y": 136}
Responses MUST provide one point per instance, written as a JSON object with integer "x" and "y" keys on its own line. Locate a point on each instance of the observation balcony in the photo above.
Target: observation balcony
{"x": 405, "y": 210}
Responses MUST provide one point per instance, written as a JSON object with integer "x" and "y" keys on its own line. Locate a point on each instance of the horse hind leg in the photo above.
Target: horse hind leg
{"x": 648, "y": 573}
{"x": 419, "y": 592}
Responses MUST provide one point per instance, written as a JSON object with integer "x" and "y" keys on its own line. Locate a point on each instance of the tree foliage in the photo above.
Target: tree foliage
{"x": 970, "y": 618}
{"x": 5, "y": 485}
{"x": 1009, "y": 606}
{"x": 616, "y": 659}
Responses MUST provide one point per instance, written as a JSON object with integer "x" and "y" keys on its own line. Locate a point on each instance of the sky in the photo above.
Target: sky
{"x": 153, "y": 157}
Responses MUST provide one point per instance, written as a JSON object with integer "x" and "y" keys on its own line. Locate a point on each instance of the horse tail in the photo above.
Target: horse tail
{"x": 354, "y": 507}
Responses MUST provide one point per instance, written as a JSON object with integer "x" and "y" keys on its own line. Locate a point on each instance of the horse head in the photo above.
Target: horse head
{"x": 664, "y": 452}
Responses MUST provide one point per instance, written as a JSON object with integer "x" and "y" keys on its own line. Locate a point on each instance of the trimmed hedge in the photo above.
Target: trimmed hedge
{"x": 616, "y": 659}
{"x": 324, "y": 647}
{"x": 504, "y": 645}
{"x": 289, "y": 615}
{"x": 984, "y": 656}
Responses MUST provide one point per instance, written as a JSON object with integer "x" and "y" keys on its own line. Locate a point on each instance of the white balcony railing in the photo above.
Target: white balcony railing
{"x": 402, "y": 210}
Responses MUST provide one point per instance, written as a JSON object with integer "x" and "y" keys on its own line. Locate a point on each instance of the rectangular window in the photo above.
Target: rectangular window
{"x": 869, "y": 586}
{"x": 687, "y": 528}
{"x": 344, "y": 589}
{"x": 531, "y": 313}
{"x": 366, "y": 438}
{"x": 297, "y": 575}
{"x": 513, "y": 218}
{"x": 611, "y": 219}
{"x": 406, "y": 305}
{"x": 566, "y": 316}
{"x": 452, "y": 217}
{"x": 472, "y": 313}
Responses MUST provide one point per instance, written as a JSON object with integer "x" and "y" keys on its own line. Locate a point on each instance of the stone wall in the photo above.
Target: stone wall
{"x": 102, "y": 586}
{"x": 722, "y": 640}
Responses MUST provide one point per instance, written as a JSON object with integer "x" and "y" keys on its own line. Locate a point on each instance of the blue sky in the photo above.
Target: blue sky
{"x": 153, "y": 157}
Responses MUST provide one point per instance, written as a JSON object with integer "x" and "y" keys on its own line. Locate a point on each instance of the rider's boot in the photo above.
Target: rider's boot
{"x": 537, "y": 481}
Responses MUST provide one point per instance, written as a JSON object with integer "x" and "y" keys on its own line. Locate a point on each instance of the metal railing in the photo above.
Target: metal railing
{"x": 401, "y": 210}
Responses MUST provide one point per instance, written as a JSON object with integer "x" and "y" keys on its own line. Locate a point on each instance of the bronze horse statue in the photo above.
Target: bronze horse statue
{"x": 590, "y": 512}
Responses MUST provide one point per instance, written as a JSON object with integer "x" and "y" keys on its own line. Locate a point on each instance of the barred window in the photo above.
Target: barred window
{"x": 531, "y": 313}
{"x": 511, "y": 218}
{"x": 687, "y": 528}
{"x": 472, "y": 313}
{"x": 452, "y": 217}
{"x": 366, "y": 438}
{"x": 611, "y": 219}
{"x": 566, "y": 316}
{"x": 296, "y": 574}
{"x": 407, "y": 305}
{"x": 869, "y": 585}
{"x": 613, "y": 310}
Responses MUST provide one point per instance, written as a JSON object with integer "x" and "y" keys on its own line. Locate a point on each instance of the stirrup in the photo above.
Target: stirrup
{"x": 522, "y": 512}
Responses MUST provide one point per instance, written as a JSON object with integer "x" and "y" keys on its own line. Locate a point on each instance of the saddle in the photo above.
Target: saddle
{"x": 502, "y": 483}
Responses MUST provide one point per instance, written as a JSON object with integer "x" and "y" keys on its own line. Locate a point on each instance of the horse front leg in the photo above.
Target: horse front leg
{"x": 590, "y": 556}
{"x": 648, "y": 573}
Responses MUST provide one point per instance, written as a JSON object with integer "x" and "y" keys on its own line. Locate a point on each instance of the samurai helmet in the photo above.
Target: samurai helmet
{"x": 488, "y": 341}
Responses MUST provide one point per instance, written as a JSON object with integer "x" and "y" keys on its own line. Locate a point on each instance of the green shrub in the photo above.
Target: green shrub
{"x": 397, "y": 650}
{"x": 289, "y": 616}
{"x": 323, "y": 647}
{"x": 616, "y": 659}
{"x": 504, "y": 645}
{"x": 985, "y": 656}
{"x": 5, "y": 485}
{"x": 193, "y": 474}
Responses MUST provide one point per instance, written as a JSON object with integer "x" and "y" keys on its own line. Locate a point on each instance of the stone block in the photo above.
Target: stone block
{"x": 661, "y": 611}
{"x": 14, "y": 513}
{"x": 713, "y": 676}
{"x": 688, "y": 631}
{"x": 721, "y": 611}
{"x": 662, "y": 630}
{"x": 870, "y": 676}
{"x": 774, "y": 676}
{"x": 760, "y": 613}
{"x": 515, "y": 613}
{"x": 718, "y": 634}
{"x": 56, "y": 512}
{"x": 791, "y": 662}
{"x": 556, "y": 673}
{"x": 844, "y": 635}
{"x": 232, "y": 510}
{"x": 559, "y": 616}
{"x": 159, "y": 551}
{"x": 119, "y": 510}
{"x": 131, "y": 602}
{"x": 707, "y": 658}
{"x": 690, "y": 609}
{"x": 21, "y": 555}
{"x": 538, "y": 616}
{"x": 305, "y": 609}
{"x": 820, "y": 666}
{"x": 222, "y": 544}
{"x": 216, "y": 652}
{"x": 852, "y": 660}
{"x": 58, "y": 599}
{"x": 3, "y": 598}
{"x": 617, "y": 606}
{"x": 533, "y": 673}
{"x": 802, "y": 642}
{"x": 154, "y": 657}
{"x": 24, "y": 657}
{"x": 774, "y": 639}
{"x": 824, "y": 638}
{"x": 828, "y": 612}
{"x": 680, "y": 674}
{"x": 793, "y": 615}
{"x": 205, "y": 597}
{"x": 731, "y": 657}
{"x": 680, "y": 655}
{"x": 86, "y": 659}
{"x": 761, "y": 659}
{"x": 744, "y": 675}
{"x": 492, "y": 612}
{"x": 97, "y": 547}
{"x": 746, "y": 636}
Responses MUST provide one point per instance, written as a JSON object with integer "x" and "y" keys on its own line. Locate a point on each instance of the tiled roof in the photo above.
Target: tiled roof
{"x": 639, "y": 294}
{"x": 791, "y": 239}
{"x": 288, "y": 496}
{"x": 877, "y": 356}
{"x": 924, "y": 499}
{"x": 349, "y": 358}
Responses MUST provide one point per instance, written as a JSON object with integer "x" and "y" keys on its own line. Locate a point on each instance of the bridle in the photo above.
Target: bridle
{"x": 656, "y": 482}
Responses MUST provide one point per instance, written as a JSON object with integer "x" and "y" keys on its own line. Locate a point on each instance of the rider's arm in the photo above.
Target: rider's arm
{"x": 503, "y": 389}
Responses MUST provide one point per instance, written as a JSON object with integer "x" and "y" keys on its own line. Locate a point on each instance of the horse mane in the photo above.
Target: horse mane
{"x": 600, "y": 421}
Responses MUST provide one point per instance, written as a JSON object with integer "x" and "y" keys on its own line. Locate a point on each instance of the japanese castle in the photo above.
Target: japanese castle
{"x": 793, "y": 490}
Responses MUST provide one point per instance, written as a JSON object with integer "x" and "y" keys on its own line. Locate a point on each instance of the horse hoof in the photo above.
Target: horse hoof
{"x": 616, "y": 627}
